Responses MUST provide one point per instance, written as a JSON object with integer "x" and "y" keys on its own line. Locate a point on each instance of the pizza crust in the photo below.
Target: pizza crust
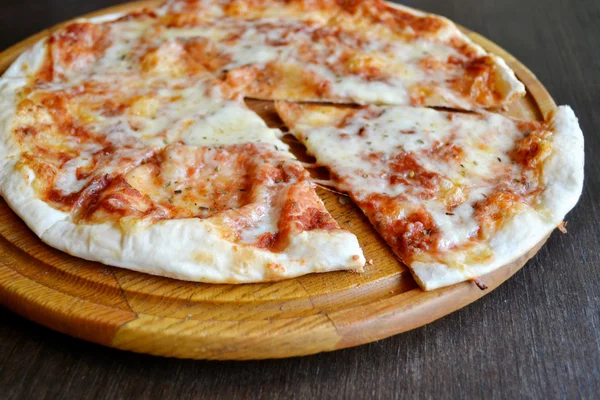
{"x": 191, "y": 249}
{"x": 512, "y": 88}
{"x": 563, "y": 169}
{"x": 9, "y": 148}
{"x": 563, "y": 177}
{"x": 19, "y": 194}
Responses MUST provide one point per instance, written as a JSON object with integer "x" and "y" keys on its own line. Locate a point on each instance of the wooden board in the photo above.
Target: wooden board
{"x": 306, "y": 315}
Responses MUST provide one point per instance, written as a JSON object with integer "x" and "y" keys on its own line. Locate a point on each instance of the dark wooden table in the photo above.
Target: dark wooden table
{"x": 534, "y": 337}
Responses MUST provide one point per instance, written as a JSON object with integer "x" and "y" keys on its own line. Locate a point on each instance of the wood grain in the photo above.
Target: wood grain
{"x": 306, "y": 315}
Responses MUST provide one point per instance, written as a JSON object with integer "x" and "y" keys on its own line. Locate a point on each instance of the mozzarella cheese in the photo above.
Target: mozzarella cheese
{"x": 443, "y": 188}
{"x": 364, "y": 59}
{"x": 297, "y": 51}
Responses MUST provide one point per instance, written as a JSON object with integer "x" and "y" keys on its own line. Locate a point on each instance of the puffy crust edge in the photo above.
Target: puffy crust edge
{"x": 196, "y": 252}
{"x": 28, "y": 62}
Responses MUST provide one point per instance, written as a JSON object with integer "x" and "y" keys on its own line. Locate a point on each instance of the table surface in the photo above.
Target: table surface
{"x": 535, "y": 337}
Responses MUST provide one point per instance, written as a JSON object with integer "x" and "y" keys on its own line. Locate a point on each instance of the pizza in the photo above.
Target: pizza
{"x": 125, "y": 139}
{"x": 455, "y": 195}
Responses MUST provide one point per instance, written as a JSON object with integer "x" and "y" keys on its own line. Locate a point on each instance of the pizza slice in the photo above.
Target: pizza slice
{"x": 350, "y": 52}
{"x": 218, "y": 214}
{"x": 455, "y": 195}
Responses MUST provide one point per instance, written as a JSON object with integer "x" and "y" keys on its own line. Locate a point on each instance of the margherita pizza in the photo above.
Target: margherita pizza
{"x": 125, "y": 139}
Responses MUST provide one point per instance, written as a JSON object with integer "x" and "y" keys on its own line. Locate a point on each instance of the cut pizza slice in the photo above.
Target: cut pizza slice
{"x": 350, "y": 52}
{"x": 218, "y": 214}
{"x": 455, "y": 195}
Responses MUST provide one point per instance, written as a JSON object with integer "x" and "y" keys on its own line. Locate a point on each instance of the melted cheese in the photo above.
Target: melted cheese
{"x": 338, "y": 59}
{"x": 467, "y": 155}
{"x": 266, "y": 41}
{"x": 363, "y": 65}
{"x": 137, "y": 117}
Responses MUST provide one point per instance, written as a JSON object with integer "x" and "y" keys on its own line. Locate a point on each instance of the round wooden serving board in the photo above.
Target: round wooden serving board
{"x": 306, "y": 315}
